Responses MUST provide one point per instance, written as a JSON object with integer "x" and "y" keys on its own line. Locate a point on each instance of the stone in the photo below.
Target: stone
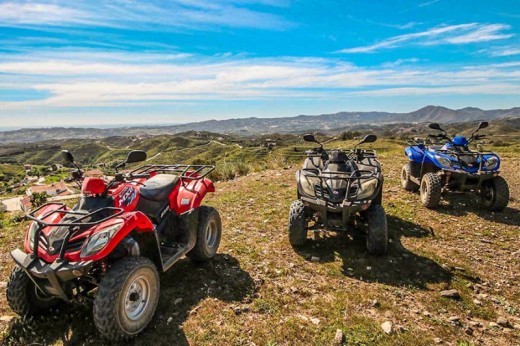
{"x": 315, "y": 259}
{"x": 170, "y": 320}
{"x": 477, "y": 302}
{"x": 503, "y": 322}
{"x": 468, "y": 331}
{"x": 375, "y": 303}
{"x": 453, "y": 294}
{"x": 454, "y": 319}
{"x": 6, "y": 318}
{"x": 437, "y": 340}
{"x": 3, "y": 284}
{"x": 177, "y": 301}
{"x": 492, "y": 325}
{"x": 315, "y": 321}
{"x": 387, "y": 327}
{"x": 338, "y": 338}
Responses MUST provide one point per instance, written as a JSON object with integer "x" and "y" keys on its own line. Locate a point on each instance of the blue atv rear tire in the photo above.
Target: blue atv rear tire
{"x": 430, "y": 189}
{"x": 494, "y": 194}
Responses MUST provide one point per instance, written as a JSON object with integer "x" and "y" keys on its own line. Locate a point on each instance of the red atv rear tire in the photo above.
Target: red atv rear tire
{"x": 209, "y": 232}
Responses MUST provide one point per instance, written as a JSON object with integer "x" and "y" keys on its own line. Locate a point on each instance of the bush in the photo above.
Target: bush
{"x": 38, "y": 199}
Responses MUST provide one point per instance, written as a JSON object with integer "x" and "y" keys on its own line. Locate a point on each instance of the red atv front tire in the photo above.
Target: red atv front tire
{"x": 127, "y": 298}
{"x": 25, "y": 298}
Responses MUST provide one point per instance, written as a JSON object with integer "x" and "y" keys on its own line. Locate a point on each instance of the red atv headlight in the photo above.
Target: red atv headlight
{"x": 99, "y": 240}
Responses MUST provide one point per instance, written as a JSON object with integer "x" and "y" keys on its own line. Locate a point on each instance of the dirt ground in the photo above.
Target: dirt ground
{"x": 259, "y": 291}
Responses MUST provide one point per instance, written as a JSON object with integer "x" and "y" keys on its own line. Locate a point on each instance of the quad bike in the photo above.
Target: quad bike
{"x": 336, "y": 187}
{"x": 454, "y": 167}
{"x": 112, "y": 245}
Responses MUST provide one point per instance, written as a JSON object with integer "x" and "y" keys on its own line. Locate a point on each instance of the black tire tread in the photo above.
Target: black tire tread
{"x": 19, "y": 298}
{"x": 198, "y": 253}
{"x": 377, "y": 237}
{"x": 433, "y": 197}
{"x": 17, "y": 292}
{"x": 408, "y": 185}
{"x": 499, "y": 184}
{"x": 297, "y": 224}
{"x": 107, "y": 299}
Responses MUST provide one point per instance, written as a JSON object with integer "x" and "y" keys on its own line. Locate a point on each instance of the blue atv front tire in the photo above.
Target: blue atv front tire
{"x": 430, "y": 190}
{"x": 407, "y": 184}
{"x": 494, "y": 194}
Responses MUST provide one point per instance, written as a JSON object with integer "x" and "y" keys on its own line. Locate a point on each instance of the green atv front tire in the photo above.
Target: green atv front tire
{"x": 297, "y": 223}
{"x": 377, "y": 233}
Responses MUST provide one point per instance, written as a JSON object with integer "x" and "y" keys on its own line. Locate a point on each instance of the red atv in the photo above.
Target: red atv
{"x": 112, "y": 244}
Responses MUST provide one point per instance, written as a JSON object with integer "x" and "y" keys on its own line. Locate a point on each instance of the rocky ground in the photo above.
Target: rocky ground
{"x": 451, "y": 277}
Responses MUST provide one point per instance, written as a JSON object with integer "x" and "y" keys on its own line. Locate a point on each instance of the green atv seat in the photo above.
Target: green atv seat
{"x": 159, "y": 187}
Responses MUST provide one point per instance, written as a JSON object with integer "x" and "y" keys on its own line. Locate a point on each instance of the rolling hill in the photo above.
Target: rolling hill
{"x": 249, "y": 126}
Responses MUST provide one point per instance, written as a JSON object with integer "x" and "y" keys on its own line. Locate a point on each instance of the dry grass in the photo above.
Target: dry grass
{"x": 260, "y": 291}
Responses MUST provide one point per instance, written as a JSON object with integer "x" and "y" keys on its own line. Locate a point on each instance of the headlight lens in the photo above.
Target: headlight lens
{"x": 443, "y": 161}
{"x": 367, "y": 188}
{"x": 98, "y": 241}
{"x": 32, "y": 232}
{"x": 491, "y": 163}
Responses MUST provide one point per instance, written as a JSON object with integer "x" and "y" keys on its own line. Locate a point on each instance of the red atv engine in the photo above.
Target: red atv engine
{"x": 93, "y": 186}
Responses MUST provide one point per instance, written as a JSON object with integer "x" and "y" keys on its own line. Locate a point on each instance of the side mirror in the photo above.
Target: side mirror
{"x": 483, "y": 125}
{"x": 136, "y": 156}
{"x": 67, "y": 156}
{"x": 435, "y": 126}
{"x": 309, "y": 138}
{"x": 369, "y": 139}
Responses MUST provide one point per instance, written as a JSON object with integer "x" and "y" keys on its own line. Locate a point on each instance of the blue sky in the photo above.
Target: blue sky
{"x": 134, "y": 62}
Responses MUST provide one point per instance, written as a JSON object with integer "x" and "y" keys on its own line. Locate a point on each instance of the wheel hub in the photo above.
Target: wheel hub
{"x": 211, "y": 234}
{"x": 137, "y": 298}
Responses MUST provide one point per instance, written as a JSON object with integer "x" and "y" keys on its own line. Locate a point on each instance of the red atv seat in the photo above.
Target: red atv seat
{"x": 159, "y": 187}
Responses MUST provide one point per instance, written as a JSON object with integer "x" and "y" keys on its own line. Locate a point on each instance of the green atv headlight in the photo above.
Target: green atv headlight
{"x": 367, "y": 188}
{"x": 99, "y": 240}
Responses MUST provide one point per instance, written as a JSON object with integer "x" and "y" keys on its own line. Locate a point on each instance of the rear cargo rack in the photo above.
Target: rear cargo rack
{"x": 73, "y": 225}
{"x": 184, "y": 171}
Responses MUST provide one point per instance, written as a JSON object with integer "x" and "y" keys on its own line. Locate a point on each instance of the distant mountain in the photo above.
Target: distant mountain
{"x": 248, "y": 126}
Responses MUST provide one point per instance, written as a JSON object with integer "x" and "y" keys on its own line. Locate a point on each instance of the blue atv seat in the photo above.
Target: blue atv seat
{"x": 159, "y": 187}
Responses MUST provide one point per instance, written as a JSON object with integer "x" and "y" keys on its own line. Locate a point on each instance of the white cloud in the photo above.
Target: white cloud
{"x": 506, "y": 52}
{"x": 452, "y": 34}
{"x": 79, "y": 79}
{"x": 178, "y": 14}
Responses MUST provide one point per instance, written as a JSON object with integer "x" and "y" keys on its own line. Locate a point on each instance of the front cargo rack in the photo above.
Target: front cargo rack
{"x": 72, "y": 225}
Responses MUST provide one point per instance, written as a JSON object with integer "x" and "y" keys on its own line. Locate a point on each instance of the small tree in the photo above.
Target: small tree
{"x": 38, "y": 198}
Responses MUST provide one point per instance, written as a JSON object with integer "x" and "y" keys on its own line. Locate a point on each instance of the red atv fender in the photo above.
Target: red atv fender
{"x": 133, "y": 221}
{"x": 190, "y": 194}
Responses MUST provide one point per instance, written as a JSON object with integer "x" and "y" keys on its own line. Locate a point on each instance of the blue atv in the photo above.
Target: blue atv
{"x": 454, "y": 167}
